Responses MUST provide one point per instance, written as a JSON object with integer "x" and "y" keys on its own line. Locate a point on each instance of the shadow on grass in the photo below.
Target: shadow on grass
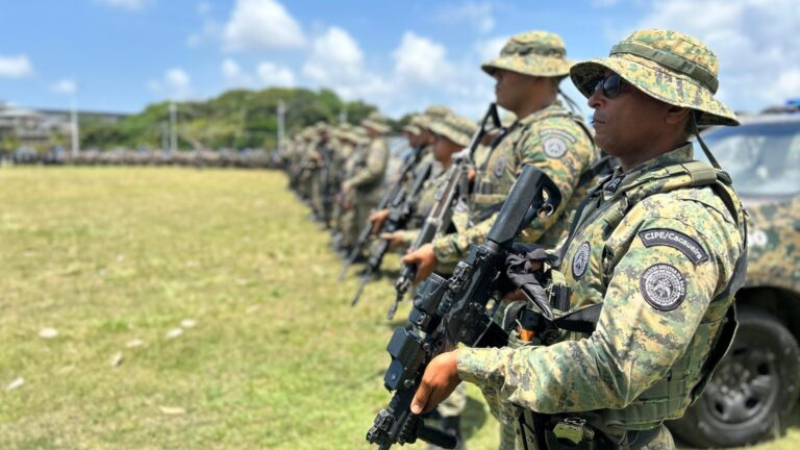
{"x": 474, "y": 418}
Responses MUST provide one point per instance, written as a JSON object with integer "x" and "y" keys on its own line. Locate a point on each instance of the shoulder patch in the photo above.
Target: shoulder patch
{"x": 675, "y": 239}
{"x": 581, "y": 260}
{"x": 663, "y": 287}
{"x": 554, "y": 147}
{"x": 500, "y": 166}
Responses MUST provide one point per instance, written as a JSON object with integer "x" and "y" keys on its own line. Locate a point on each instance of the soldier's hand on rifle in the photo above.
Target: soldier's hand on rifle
{"x": 425, "y": 260}
{"x": 438, "y": 382}
{"x": 395, "y": 239}
{"x": 377, "y": 218}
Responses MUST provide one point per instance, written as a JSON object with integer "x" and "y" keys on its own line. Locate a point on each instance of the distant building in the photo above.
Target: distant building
{"x": 34, "y": 127}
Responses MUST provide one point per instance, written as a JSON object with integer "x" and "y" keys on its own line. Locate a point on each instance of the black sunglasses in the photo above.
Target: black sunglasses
{"x": 610, "y": 85}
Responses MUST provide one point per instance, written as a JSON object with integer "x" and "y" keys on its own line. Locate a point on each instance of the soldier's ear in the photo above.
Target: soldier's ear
{"x": 676, "y": 115}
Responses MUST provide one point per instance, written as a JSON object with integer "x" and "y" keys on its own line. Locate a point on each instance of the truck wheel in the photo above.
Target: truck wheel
{"x": 753, "y": 390}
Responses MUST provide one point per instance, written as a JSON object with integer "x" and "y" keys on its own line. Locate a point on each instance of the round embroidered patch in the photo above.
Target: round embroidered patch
{"x": 500, "y": 167}
{"x": 663, "y": 287}
{"x": 581, "y": 260}
{"x": 757, "y": 238}
{"x": 554, "y": 147}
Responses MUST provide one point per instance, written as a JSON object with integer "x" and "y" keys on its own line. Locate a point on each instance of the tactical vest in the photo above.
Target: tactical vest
{"x": 669, "y": 397}
{"x": 497, "y": 175}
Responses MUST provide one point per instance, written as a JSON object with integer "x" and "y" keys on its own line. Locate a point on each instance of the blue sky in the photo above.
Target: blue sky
{"x": 120, "y": 55}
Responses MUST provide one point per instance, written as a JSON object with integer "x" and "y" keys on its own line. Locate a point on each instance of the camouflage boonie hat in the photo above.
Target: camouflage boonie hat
{"x": 342, "y": 130}
{"x": 412, "y": 126}
{"x": 456, "y": 128}
{"x": 359, "y": 136}
{"x": 534, "y": 53}
{"x": 377, "y": 122}
{"x": 418, "y": 122}
{"x": 667, "y": 65}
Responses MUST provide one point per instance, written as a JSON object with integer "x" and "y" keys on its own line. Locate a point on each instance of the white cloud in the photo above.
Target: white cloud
{"x": 335, "y": 57}
{"x": 234, "y": 75}
{"x": 64, "y": 86}
{"x": 490, "y": 48}
{"x": 474, "y": 14}
{"x": 756, "y": 41}
{"x": 421, "y": 60}
{"x": 130, "y": 5}
{"x": 230, "y": 69}
{"x": 261, "y": 25}
{"x": 175, "y": 83}
{"x": 336, "y": 61}
{"x": 273, "y": 75}
{"x": 15, "y": 66}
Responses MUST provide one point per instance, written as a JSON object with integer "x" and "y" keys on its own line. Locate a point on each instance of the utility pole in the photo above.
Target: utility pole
{"x": 165, "y": 137}
{"x": 281, "y": 118}
{"x": 74, "y": 125}
{"x": 173, "y": 109}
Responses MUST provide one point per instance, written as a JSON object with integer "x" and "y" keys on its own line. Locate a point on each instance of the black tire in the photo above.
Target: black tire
{"x": 753, "y": 391}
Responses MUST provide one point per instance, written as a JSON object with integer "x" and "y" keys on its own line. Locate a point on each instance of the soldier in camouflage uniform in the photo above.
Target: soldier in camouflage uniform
{"x": 451, "y": 134}
{"x": 319, "y": 147}
{"x": 343, "y": 149}
{"x": 424, "y": 141}
{"x": 364, "y": 183}
{"x": 546, "y": 135}
{"x": 657, "y": 251}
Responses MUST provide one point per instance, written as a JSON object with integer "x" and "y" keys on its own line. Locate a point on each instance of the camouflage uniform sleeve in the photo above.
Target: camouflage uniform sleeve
{"x": 376, "y": 165}
{"x": 638, "y": 337}
{"x": 561, "y": 160}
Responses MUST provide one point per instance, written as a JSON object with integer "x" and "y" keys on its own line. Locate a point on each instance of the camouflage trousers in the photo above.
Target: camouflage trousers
{"x": 316, "y": 194}
{"x": 353, "y": 220}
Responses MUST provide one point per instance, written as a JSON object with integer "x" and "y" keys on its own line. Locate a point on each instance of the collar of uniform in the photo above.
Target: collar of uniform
{"x": 553, "y": 109}
{"x": 639, "y": 173}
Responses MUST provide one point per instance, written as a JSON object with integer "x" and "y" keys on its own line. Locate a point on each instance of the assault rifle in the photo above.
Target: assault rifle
{"x": 452, "y": 311}
{"x": 442, "y": 212}
{"x": 400, "y": 212}
{"x": 388, "y": 198}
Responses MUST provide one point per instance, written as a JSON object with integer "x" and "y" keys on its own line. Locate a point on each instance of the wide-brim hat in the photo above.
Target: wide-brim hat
{"x": 667, "y": 65}
{"x": 377, "y": 122}
{"x": 456, "y": 128}
{"x": 534, "y": 53}
{"x": 413, "y": 129}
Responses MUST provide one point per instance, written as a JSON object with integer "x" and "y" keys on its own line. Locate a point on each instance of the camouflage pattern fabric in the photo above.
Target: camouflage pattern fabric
{"x": 368, "y": 169}
{"x": 666, "y": 65}
{"x": 656, "y": 274}
{"x": 550, "y": 140}
{"x": 773, "y": 242}
{"x": 533, "y": 53}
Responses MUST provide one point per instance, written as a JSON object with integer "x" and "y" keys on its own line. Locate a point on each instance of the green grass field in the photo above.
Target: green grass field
{"x": 120, "y": 261}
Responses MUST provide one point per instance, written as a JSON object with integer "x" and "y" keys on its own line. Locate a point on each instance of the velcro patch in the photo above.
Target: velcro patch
{"x": 675, "y": 239}
{"x": 663, "y": 287}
